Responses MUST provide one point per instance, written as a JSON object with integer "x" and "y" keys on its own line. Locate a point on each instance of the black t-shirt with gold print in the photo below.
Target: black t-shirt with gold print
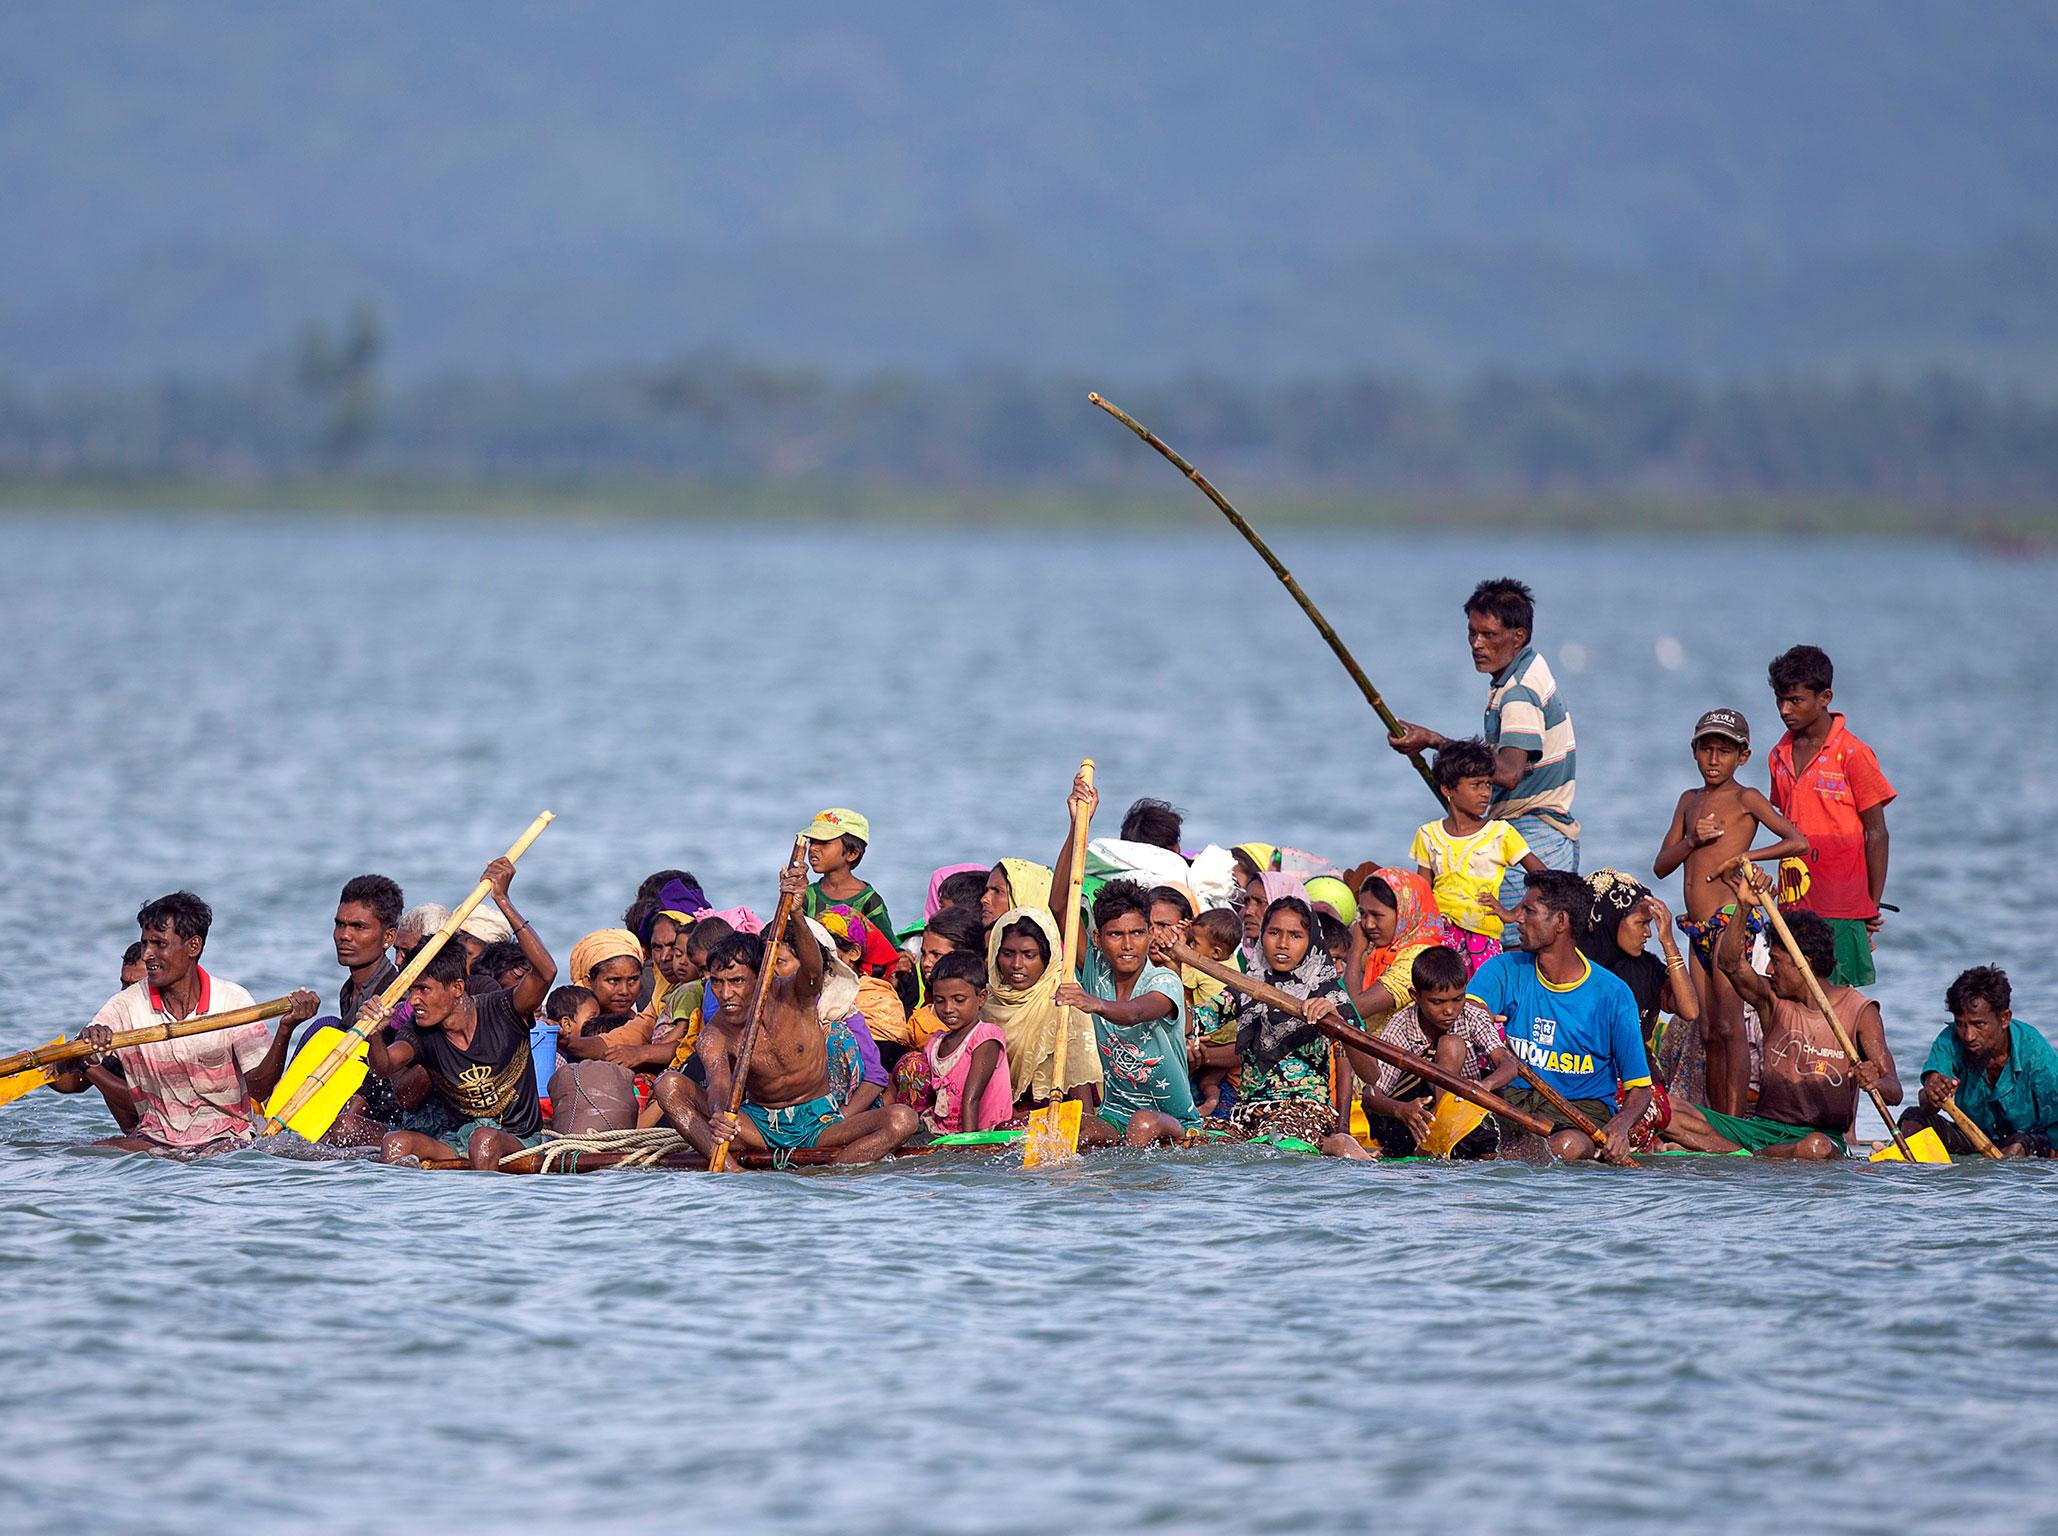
{"x": 493, "y": 1077}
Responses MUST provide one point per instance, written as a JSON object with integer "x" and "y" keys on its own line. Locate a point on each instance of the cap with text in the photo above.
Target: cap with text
{"x": 1729, "y": 723}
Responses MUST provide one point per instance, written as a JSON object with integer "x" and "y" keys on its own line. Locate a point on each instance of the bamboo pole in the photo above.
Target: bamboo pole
{"x": 1053, "y": 1128}
{"x": 1387, "y": 717}
{"x": 397, "y": 988}
{"x": 1069, "y": 927}
{"x": 1581, "y": 1121}
{"x": 781, "y": 916}
{"x": 149, "y": 1034}
{"x": 1358, "y": 1040}
{"x": 1982, "y": 1143}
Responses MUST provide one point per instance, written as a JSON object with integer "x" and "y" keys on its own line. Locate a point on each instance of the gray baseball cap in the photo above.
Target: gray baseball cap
{"x": 1725, "y": 722}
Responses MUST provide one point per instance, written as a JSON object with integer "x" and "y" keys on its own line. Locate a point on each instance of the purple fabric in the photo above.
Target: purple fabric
{"x": 868, "y": 1050}
{"x": 677, "y": 896}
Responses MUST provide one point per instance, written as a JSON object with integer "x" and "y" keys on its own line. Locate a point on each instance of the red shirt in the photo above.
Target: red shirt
{"x": 1824, "y": 801}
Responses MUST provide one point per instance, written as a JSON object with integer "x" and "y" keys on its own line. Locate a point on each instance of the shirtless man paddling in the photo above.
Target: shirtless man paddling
{"x": 788, "y": 1104}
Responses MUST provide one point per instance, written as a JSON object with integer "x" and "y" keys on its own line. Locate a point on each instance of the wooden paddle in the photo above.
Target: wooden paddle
{"x": 1758, "y": 898}
{"x": 1982, "y": 1143}
{"x": 1581, "y": 1121}
{"x": 781, "y": 916}
{"x": 1357, "y": 1040}
{"x": 1053, "y": 1130}
{"x": 34, "y": 1065}
{"x": 296, "y": 1110}
{"x": 1350, "y": 663}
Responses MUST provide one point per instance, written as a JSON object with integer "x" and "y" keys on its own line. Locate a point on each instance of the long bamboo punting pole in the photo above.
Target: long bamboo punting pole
{"x": 1322, "y": 625}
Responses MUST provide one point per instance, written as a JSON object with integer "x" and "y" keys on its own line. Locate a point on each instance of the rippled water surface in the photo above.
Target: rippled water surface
{"x": 1172, "y": 1341}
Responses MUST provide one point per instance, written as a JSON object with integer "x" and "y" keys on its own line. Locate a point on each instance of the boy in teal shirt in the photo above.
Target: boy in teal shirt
{"x": 1138, "y": 1008}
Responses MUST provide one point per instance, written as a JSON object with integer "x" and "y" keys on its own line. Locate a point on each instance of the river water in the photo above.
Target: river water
{"x": 1174, "y": 1341}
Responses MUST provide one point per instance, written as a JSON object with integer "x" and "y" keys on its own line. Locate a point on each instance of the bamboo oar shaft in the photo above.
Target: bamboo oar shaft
{"x": 1069, "y": 926}
{"x": 1764, "y": 902}
{"x": 1358, "y": 1040}
{"x": 1581, "y": 1121}
{"x": 1982, "y": 1143}
{"x": 397, "y": 988}
{"x": 1322, "y": 625}
{"x": 781, "y": 916}
{"x": 149, "y": 1034}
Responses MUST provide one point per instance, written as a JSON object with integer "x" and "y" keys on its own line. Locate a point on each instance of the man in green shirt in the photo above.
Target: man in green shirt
{"x": 2004, "y": 1075}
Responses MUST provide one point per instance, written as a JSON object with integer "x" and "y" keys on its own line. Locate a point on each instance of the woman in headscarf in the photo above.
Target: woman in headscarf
{"x": 1024, "y": 964}
{"x": 1397, "y": 920}
{"x": 1250, "y": 860}
{"x": 1014, "y": 883}
{"x": 1621, "y": 917}
{"x": 1288, "y": 1090}
{"x": 1258, "y": 897}
{"x": 609, "y": 964}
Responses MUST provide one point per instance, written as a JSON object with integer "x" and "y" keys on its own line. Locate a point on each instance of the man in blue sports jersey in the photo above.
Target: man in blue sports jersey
{"x": 1572, "y": 1024}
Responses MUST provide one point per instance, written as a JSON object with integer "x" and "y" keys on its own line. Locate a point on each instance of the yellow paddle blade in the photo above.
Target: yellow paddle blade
{"x": 1053, "y": 1134}
{"x": 326, "y": 1103}
{"x": 1926, "y": 1144}
{"x": 1360, "y": 1127}
{"x": 19, "y": 1083}
{"x": 1454, "y": 1120}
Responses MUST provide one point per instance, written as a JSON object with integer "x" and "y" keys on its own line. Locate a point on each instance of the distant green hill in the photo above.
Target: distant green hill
{"x": 1277, "y": 190}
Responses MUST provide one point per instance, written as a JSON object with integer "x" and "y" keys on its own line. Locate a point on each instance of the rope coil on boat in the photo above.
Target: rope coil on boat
{"x": 638, "y": 1148}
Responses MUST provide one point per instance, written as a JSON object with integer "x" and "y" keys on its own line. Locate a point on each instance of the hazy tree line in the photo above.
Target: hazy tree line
{"x": 1939, "y": 440}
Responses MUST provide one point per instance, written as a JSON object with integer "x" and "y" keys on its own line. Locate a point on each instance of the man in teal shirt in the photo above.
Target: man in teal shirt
{"x": 2004, "y": 1075}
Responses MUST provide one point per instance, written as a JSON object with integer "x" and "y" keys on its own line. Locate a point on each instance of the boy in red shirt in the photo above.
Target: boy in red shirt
{"x": 1827, "y": 782}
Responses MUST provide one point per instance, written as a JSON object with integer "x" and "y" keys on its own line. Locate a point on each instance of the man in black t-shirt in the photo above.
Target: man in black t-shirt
{"x": 475, "y": 1049}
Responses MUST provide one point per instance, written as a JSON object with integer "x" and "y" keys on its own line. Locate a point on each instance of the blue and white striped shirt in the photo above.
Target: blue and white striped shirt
{"x": 1524, "y": 710}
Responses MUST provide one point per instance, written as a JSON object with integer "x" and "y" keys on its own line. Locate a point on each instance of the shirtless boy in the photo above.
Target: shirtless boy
{"x": 788, "y": 1104}
{"x": 1710, "y": 827}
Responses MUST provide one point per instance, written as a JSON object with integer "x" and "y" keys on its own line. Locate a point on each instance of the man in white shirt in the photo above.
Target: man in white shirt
{"x": 197, "y": 1095}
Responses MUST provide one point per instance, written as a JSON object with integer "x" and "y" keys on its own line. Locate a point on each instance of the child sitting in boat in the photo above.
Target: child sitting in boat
{"x": 1466, "y": 856}
{"x": 968, "y": 1059}
{"x": 1217, "y": 933}
{"x": 1460, "y": 1035}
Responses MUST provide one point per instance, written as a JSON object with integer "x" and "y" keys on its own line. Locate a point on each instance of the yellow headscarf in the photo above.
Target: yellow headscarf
{"x": 599, "y": 948}
{"x": 1028, "y": 1017}
{"x": 1028, "y": 885}
{"x": 1264, "y": 855}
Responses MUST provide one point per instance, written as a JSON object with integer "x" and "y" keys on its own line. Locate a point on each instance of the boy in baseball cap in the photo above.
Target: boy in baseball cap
{"x": 836, "y": 841}
{"x": 1710, "y": 827}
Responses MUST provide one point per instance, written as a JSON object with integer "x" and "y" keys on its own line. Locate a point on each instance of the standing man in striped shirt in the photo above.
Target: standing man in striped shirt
{"x": 1527, "y": 725}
